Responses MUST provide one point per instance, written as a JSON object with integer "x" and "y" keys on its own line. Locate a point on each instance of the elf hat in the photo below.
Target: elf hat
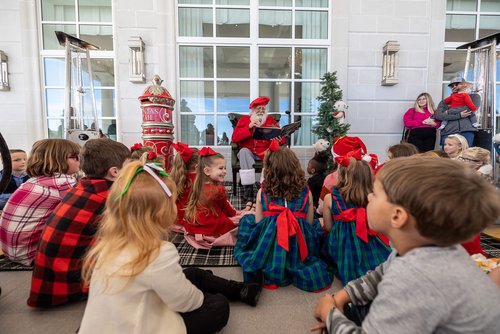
{"x": 260, "y": 101}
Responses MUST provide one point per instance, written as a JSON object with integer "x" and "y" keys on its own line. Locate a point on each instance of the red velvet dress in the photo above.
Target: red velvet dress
{"x": 213, "y": 220}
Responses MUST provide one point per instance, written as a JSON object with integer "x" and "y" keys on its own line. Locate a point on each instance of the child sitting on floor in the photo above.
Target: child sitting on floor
{"x": 429, "y": 284}
{"x": 18, "y": 177}
{"x": 282, "y": 238}
{"x": 454, "y": 145}
{"x": 208, "y": 210}
{"x": 352, "y": 247}
{"x": 136, "y": 282}
{"x": 51, "y": 166}
{"x": 317, "y": 168}
{"x": 183, "y": 173}
{"x": 70, "y": 230}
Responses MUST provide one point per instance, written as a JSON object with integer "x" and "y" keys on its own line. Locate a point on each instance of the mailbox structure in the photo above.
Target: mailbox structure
{"x": 157, "y": 128}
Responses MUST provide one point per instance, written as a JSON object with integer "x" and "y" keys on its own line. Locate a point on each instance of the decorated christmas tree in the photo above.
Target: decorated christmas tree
{"x": 330, "y": 125}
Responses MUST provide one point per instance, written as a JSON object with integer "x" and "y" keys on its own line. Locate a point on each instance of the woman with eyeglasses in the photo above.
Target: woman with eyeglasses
{"x": 479, "y": 159}
{"x": 420, "y": 123}
{"x": 51, "y": 167}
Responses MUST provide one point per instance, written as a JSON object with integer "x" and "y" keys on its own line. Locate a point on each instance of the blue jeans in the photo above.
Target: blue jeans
{"x": 469, "y": 135}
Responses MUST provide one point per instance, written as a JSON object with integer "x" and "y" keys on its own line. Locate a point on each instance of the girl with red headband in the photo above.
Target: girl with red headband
{"x": 351, "y": 245}
{"x": 183, "y": 173}
{"x": 208, "y": 210}
{"x": 282, "y": 239}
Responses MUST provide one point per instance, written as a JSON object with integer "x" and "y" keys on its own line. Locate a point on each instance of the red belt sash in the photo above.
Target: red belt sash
{"x": 362, "y": 228}
{"x": 287, "y": 225}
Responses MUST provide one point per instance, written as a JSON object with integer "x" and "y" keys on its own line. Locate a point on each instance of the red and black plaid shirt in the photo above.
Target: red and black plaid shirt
{"x": 69, "y": 232}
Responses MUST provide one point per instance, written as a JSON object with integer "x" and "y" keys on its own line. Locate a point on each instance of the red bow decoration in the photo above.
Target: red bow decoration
{"x": 206, "y": 152}
{"x": 362, "y": 228}
{"x": 287, "y": 225}
{"x": 273, "y": 147}
{"x": 136, "y": 147}
{"x": 344, "y": 160}
{"x": 184, "y": 150}
{"x": 152, "y": 155}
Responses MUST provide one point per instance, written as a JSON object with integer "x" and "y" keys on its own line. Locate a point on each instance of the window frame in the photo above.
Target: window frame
{"x": 254, "y": 42}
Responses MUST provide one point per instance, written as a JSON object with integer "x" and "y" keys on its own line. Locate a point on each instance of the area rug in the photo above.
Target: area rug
{"x": 490, "y": 246}
{"x": 192, "y": 257}
{"x": 7, "y": 265}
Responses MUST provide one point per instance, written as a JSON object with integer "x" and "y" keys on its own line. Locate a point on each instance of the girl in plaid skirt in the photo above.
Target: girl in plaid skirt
{"x": 352, "y": 246}
{"x": 282, "y": 239}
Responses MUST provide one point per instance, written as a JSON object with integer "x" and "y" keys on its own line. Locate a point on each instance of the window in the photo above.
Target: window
{"x": 232, "y": 51}
{"x": 90, "y": 21}
{"x": 466, "y": 21}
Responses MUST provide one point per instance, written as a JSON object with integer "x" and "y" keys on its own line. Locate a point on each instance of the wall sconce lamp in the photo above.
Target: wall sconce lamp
{"x": 4, "y": 72}
{"x": 390, "y": 63}
{"x": 137, "y": 71}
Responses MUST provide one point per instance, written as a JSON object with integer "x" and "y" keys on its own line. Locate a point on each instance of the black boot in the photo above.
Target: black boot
{"x": 248, "y": 293}
{"x": 248, "y": 194}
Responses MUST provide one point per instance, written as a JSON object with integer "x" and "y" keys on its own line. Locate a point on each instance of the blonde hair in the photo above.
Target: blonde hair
{"x": 430, "y": 103}
{"x": 459, "y": 140}
{"x": 197, "y": 198}
{"x": 463, "y": 87}
{"x": 479, "y": 153}
{"x": 283, "y": 175}
{"x": 50, "y": 156}
{"x": 180, "y": 169}
{"x": 355, "y": 182}
{"x": 136, "y": 218}
{"x": 416, "y": 184}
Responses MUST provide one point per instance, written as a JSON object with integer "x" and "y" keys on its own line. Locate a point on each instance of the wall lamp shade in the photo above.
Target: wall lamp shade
{"x": 136, "y": 67}
{"x": 390, "y": 63}
{"x": 4, "y": 72}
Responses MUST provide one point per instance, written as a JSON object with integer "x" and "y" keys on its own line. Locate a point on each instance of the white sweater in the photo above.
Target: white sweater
{"x": 148, "y": 303}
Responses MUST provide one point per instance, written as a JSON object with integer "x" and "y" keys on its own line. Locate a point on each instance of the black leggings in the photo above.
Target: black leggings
{"x": 423, "y": 138}
{"x": 213, "y": 314}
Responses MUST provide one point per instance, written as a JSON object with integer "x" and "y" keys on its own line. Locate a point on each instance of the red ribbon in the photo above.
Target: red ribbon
{"x": 345, "y": 159}
{"x": 273, "y": 147}
{"x": 136, "y": 147}
{"x": 287, "y": 225}
{"x": 152, "y": 155}
{"x": 206, "y": 152}
{"x": 184, "y": 150}
{"x": 362, "y": 228}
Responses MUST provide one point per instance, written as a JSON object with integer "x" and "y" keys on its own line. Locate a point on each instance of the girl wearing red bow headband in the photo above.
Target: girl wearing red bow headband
{"x": 282, "y": 239}
{"x": 352, "y": 246}
{"x": 208, "y": 209}
{"x": 183, "y": 174}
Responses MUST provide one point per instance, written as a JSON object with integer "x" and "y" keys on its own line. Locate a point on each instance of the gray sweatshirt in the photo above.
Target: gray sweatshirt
{"x": 428, "y": 290}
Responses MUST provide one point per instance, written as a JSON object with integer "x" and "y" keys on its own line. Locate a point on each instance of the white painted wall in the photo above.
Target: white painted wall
{"x": 21, "y": 121}
{"x": 360, "y": 30}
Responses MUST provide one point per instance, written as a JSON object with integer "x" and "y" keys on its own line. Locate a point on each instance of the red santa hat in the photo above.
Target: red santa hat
{"x": 260, "y": 101}
{"x": 346, "y": 147}
{"x": 343, "y": 145}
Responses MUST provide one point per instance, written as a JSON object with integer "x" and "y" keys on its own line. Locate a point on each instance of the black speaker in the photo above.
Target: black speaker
{"x": 484, "y": 138}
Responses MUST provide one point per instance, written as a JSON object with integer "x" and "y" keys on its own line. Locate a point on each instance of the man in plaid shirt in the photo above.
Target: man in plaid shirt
{"x": 71, "y": 228}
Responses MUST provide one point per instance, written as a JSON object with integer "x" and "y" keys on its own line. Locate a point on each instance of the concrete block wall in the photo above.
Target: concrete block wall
{"x": 376, "y": 111}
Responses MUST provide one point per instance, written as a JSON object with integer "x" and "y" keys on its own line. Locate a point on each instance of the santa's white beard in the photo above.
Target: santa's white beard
{"x": 260, "y": 118}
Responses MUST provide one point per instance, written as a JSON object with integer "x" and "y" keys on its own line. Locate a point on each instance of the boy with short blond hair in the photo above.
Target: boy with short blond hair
{"x": 18, "y": 177}
{"x": 428, "y": 284}
{"x": 71, "y": 228}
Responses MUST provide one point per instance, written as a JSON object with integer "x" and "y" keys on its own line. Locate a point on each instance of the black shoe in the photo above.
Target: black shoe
{"x": 250, "y": 293}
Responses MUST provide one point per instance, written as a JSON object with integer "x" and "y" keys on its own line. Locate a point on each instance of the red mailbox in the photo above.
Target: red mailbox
{"x": 157, "y": 129}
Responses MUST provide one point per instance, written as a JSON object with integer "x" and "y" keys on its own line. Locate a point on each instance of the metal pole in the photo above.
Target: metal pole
{"x": 92, "y": 95}
{"x": 67, "y": 91}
